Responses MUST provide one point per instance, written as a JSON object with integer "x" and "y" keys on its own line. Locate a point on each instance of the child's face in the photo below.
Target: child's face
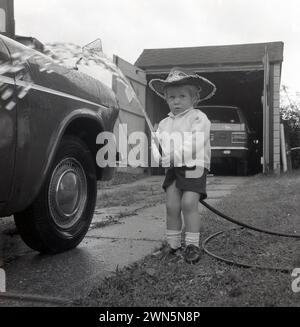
{"x": 179, "y": 99}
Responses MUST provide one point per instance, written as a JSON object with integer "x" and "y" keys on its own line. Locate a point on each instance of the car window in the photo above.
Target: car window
{"x": 222, "y": 115}
{"x": 2, "y": 21}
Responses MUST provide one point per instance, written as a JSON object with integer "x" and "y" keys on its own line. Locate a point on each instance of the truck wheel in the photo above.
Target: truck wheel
{"x": 60, "y": 217}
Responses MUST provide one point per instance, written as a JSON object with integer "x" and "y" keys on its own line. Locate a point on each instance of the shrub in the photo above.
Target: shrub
{"x": 290, "y": 115}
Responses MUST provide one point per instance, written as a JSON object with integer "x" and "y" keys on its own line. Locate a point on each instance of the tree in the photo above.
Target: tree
{"x": 290, "y": 115}
{"x": 290, "y": 107}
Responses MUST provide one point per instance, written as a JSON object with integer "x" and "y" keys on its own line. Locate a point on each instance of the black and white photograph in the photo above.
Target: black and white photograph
{"x": 149, "y": 157}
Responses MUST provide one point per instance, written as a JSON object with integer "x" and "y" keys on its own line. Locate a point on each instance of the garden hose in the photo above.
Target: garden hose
{"x": 234, "y": 262}
{"x": 237, "y": 222}
{"x": 247, "y": 226}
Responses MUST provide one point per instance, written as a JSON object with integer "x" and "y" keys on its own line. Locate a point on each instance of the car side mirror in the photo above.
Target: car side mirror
{"x": 77, "y": 63}
{"x": 95, "y": 46}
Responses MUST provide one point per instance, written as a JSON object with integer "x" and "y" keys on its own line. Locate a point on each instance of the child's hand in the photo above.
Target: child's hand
{"x": 172, "y": 158}
{"x": 167, "y": 160}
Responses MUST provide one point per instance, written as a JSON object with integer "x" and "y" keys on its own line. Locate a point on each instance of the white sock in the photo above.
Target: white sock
{"x": 173, "y": 238}
{"x": 192, "y": 239}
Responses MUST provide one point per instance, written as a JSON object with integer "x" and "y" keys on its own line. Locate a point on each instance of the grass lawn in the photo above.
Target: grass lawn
{"x": 266, "y": 201}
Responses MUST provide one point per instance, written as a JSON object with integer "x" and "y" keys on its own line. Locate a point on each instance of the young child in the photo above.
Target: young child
{"x": 185, "y": 181}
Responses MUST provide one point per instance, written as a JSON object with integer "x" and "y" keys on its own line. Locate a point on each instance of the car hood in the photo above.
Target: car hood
{"x": 61, "y": 78}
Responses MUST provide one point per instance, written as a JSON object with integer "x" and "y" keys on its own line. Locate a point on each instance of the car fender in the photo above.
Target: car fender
{"x": 50, "y": 109}
{"x": 27, "y": 186}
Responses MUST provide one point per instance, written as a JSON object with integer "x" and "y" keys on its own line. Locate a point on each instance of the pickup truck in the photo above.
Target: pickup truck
{"x": 231, "y": 137}
{"x": 50, "y": 116}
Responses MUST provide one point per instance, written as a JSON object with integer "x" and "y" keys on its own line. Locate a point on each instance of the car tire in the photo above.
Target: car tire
{"x": 60, "y": 216}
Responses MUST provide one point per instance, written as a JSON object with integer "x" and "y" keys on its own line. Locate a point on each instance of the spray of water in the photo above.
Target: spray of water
{"x": 68, "y": 55}
{"x": 65, "y": 54}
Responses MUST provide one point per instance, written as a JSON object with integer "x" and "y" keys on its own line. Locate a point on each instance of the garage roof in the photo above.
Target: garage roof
{"x": 210, "y": 55}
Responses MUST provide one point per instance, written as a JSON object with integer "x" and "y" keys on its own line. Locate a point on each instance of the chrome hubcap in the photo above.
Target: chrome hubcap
{"x": 67, "y": 193}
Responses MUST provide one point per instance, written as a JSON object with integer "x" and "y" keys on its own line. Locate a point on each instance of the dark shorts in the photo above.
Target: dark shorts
{"x": 178, "y": 174}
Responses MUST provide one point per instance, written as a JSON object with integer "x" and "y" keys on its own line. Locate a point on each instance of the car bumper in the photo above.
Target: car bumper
{"x": 230, "y": 152}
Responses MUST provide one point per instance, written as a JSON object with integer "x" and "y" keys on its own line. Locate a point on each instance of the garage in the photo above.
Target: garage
{"x": 246, "y": 76}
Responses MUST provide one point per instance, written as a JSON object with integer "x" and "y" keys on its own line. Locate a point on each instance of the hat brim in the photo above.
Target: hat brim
{"x": 206, "y": 88}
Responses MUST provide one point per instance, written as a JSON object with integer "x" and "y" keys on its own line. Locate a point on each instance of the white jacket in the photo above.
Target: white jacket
{"x": 192, "y": 128}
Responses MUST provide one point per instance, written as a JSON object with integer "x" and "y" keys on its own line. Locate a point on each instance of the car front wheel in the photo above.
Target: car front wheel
{"x": 60, "y": 217}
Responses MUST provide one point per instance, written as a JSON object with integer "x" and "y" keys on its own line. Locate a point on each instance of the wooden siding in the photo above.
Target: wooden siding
{"x": 130, "y": 113}
{"x": 276, "y": 118}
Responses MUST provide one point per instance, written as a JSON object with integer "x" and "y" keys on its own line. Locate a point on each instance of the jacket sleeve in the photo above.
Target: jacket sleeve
{"x": 196, "y": 143}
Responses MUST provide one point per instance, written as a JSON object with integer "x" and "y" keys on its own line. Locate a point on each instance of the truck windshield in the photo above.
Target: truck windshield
{"x": 2, "y": 21}
{"x": 221, "y": 115}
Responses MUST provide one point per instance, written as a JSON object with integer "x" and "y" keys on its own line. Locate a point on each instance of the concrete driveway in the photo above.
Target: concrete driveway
{"x": 37, "y": 280}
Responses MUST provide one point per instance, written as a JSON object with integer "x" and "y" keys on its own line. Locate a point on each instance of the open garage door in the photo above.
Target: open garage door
{"x": 240, "y": 87}
{"x": 131, "y": 118}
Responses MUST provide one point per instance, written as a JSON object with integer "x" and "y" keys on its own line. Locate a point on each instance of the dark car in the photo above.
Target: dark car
{"x": 50, "y": 116}
{"x": 230, "y": 135}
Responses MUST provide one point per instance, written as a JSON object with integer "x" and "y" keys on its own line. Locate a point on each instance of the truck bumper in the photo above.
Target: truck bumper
{"x": 235, "y": 153}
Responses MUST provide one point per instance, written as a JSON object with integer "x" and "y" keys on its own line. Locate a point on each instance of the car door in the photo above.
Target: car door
{"x": 7, "y": 124}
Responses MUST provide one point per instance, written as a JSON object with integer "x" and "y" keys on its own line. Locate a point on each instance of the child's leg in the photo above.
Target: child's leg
{"x": 189, "y": 204}
{"x": 174, "y": 222}
{"x": 173, "y": 205}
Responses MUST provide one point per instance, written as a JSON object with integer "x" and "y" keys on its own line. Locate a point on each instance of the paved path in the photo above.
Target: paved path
{"x": 33, "y": 279}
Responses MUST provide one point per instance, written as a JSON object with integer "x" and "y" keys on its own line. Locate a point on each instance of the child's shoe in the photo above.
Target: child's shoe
{"x": 192, "y": 254}
{"x": 166, "y": 252}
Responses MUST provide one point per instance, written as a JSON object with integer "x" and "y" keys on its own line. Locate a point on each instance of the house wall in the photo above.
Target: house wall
{"x": 130, "y": 113}
{"x": 276, "y": 118}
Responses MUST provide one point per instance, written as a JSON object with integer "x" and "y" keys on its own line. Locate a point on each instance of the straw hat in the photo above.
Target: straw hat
{"x": 179, "y": 76}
